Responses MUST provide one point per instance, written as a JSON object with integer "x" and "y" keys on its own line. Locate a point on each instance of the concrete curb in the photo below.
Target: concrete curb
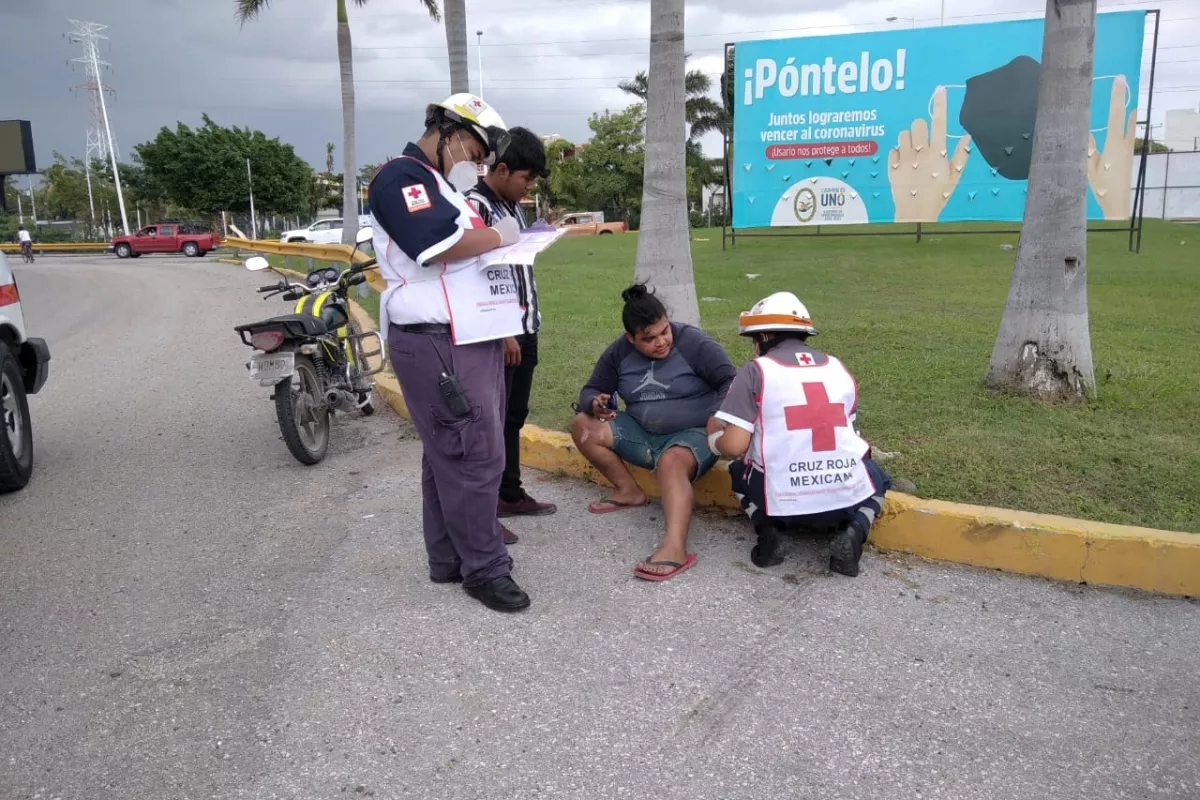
{"x": 1062, "y": 548}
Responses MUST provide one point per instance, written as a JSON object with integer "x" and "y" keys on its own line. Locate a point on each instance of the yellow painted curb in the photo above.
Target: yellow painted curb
{"x": 1015, "y": 541}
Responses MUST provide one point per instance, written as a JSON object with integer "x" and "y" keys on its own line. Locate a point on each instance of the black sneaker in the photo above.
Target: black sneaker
{"x": 766, "y": 552}
{"x": 845, "y": 550}
{"x": 500, "y": 594}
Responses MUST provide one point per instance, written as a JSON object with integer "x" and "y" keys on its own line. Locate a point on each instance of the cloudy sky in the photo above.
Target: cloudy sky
{"x": 547, "y": 64}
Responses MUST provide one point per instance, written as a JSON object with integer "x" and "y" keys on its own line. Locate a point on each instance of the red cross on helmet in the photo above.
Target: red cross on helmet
{"x": 477, "y": 117}
{"x": 781, "y": 311}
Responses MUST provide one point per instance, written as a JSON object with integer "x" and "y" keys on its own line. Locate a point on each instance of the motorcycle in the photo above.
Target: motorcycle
{"x": 316, "y": 357}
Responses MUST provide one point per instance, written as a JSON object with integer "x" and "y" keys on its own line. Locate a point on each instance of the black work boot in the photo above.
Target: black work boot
{"x": 766, "y": 552}
{"x": 845, "y": 549}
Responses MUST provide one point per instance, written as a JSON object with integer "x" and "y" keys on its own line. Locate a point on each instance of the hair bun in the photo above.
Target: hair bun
{"x": 635, "y": 292}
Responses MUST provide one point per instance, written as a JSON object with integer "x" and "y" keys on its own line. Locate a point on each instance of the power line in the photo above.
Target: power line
{"x": 727, "y": 34}
{"x": 528, "y": 109}
{"x": 644, "y": 53}
{"x": 569, "y": 6}
{"x": 524, "y": 83}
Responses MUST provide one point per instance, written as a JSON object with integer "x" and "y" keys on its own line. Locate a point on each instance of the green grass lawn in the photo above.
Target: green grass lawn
{"x": 916, "y": 323}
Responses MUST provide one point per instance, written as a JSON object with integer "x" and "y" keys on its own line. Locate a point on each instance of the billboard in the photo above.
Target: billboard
{"x": 922, "y": 125}
{"x": 16, "y": 147}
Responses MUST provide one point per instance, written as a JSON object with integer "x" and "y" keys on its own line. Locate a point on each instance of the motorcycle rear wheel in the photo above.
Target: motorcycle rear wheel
{"x": 303, "y": 419}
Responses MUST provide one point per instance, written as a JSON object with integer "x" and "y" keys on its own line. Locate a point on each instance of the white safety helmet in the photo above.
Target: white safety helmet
{"x": 476, "y": 116}
{"x": 781, "y": 311}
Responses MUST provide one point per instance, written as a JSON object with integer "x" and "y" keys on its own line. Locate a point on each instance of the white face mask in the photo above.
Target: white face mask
{"x": 464, "y": 174}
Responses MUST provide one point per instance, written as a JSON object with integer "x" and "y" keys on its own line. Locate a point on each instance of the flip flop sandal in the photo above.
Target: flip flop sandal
{"x": 607, "y": 506}
{"x": 688, "y": 563}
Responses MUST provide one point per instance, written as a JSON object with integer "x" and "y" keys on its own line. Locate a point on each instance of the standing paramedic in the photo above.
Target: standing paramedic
{"x": 496, "y": 196}
{"x": 446, "y": 319}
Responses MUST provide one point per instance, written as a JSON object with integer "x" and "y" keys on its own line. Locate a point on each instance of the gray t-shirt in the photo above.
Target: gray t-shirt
{"x": 740, "y": 407}
{"x": 665, "y": 395}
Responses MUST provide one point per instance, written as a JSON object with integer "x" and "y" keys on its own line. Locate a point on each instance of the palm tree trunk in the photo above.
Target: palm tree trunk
{"x": 1044, "y": 347}
{"x": 349, "y": 168}
{"x": 455, "y": 15}
{"x": 664, "y": 253}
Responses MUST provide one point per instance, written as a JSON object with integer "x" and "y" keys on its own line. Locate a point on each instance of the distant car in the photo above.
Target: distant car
{"x": 24, "y": 368}
{"x": 589, "y": 223}
{"x": 323, "y": 231}
{"x": 165, "y": 237}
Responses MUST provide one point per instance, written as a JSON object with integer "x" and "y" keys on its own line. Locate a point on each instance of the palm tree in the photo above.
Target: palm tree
{"x": 456, "y": 44}
{"x": 664, "y": 253}
{"x": 329, "y": 157}
{"x": 247, "y": 10}
{"x": 1044, "y": 348}
{"x": 702, "y": 113}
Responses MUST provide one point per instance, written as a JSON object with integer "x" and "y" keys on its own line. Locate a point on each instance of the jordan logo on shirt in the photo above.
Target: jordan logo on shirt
{"x": 647, "y": 381}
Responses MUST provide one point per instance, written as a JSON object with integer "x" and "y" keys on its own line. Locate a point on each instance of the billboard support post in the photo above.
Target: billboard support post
{"x": 1137, "y": 218}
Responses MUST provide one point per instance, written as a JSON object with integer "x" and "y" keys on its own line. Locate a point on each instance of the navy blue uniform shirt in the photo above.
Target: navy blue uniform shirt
{"x": 423, "y": 225}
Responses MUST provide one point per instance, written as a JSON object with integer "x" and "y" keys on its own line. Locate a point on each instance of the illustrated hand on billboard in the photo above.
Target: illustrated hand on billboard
{"x": 1109, "y": 171}
{"x": 921, "y": 171}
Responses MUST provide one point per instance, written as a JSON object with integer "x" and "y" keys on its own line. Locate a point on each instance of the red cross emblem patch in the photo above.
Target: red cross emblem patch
{"x": 818, "y": 415}
{"x": 416, "y": 197}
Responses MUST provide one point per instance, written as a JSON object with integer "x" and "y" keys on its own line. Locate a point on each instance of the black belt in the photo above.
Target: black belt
{"x": 427, "y": 328}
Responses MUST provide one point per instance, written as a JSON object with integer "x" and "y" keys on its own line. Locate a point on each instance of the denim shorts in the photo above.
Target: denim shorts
{"x": 637, "y": 446}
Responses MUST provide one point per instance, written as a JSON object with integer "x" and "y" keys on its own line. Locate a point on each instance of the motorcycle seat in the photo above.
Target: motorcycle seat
{"x": 296, "y": 324}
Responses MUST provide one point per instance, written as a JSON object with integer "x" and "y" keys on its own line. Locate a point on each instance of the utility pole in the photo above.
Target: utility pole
{"x": 87, "y": 34}
{"x": 87, "y": 172}
{"x": 479, "y": 49}
{"x": 253, "y": 219}
{"x": 32, "y": 202}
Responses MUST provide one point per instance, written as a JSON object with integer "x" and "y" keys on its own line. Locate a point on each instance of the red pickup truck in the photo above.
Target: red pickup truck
{"x": 165, "y": 237}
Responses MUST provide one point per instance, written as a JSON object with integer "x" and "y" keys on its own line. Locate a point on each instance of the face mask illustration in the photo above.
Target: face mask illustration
{"x": 999, "y": 110}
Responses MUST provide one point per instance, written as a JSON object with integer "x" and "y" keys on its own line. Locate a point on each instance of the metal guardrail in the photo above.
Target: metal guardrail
{"x": 60, "y": 247}
{"x": 337, "y": 253}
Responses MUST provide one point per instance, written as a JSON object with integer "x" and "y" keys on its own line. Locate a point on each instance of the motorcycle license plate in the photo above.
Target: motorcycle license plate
{"x": 272, "y": 367}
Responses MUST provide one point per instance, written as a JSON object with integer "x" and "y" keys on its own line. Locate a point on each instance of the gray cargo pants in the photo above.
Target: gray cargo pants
{"x": 463, "y": 459}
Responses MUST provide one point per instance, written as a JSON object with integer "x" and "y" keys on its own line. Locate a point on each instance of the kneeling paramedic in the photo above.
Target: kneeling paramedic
{"x": 447, "y": 318}
{"x": 788, "y": 423}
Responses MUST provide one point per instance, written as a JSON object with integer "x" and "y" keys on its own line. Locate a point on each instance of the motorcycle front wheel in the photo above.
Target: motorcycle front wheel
{"x": 303, "y": 418}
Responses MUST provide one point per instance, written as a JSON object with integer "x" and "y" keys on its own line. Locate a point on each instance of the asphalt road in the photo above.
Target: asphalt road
{"x": 185, "y": 612}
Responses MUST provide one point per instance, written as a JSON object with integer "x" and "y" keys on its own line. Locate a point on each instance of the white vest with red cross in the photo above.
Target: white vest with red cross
{"x": 479, "y": 304}
{"x": 804, "y": 439}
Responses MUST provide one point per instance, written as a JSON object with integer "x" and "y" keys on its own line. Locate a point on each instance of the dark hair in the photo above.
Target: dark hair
{"x": 769, "y": 340}
{"x": 642, "y": 308}
{"x": 525, "y": 151}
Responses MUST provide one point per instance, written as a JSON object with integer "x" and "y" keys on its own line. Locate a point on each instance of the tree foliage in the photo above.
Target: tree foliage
{"x": 703, "y": 114}
{"x": 606, "y": 173}
{"x": 205, "y": 170}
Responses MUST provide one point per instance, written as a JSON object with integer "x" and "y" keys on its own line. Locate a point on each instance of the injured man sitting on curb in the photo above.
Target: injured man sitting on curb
{"x": 788, "y": 423}
{"x": 672, "y": 378}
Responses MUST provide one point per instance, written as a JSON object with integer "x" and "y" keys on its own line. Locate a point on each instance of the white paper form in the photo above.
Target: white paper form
{"x": 533, "y": 240}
